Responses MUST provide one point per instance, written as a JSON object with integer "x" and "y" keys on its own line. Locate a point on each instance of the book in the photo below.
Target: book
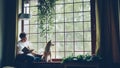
{"x": 26, "y": 50}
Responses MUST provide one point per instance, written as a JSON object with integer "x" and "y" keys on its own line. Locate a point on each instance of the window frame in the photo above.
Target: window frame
{"x": 93, "y": 26}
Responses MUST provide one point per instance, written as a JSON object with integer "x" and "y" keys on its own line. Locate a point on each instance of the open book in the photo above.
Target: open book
{"x": 26, "y": 50}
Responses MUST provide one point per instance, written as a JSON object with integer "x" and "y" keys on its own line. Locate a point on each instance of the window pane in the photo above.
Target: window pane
{"x": 26, "y": 8}
{"x": 33, "y": 2}
{"x": 78, "y": 26}
{"x": 41, "y": 39}
{"x": 34, "y": 46}
{"x": 86, "y": 0}
{"x": 69, "y": 17}
{"x": 79, "y": 36}
{"x": 26, "y": 22}
{"x": 33, "y": 10}
{"x": 68, "y": 46}
{"x": 87, "y": 26}
{"x": 86, "y": 6}
{"x": 78, "y": 46}
{"x": 53, "y": 47}
{"x": 59, "y": 8}
{"x": 33, "y": 37}
{"x": 78, "y": 16}
{"x": 59, "y": 36}
{"x": 68, "y": 27}
{"x": 26, "y": 28}
{"x": 50, "y": 36}
{"x": 59, "y": 54}
{"x": 59, "y": 1}
{"x": 41, "y": 47}
{"x": 59, "y": 18}
{"x": 69, "y": 7}
{"x": 51, "y": 28}
{"x": 59, "y": 46}
{"x": 60, "y": 27}
{"x": 33, "y": 28}
{"x": 42, "y": 28}
{"x": 87, "y": 16}
{"x": 87, "y": 46}
{"x": 79, "y": 53}
{"x": 78, "y": 7}
{"x": 68, "y": 36}
{"x": 68, "y": 1}
{"x": 33, "y": 20}
{"x": 67, "y": 54}
{"x": 87, "y": 53}
{"x": 87, "y": 36}
{"x": 78, "y": 0}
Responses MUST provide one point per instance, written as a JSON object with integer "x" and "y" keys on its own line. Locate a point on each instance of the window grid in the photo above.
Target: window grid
{"x": 64, "y": 32}
{"x": 73, "y": 31}
{"x": 64, "y": 29}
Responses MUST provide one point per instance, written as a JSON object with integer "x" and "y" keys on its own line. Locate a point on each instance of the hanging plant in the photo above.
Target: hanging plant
{"x": 46, "y": 12}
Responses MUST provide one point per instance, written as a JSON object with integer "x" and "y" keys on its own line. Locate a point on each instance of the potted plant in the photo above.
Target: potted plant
{"x": 82, "y": 59}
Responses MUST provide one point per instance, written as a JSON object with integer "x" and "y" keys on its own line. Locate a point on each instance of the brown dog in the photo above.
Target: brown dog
{"x": 47, "y": 51}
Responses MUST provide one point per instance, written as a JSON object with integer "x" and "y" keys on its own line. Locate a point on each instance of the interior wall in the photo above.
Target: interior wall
{"x": 1, "y": 29}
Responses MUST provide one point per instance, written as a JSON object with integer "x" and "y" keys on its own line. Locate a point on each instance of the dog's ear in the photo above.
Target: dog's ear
{"x": 50, "y": 41}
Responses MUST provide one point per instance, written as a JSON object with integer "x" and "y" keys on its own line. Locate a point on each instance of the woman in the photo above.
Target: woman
{"x": 24, "y": 53}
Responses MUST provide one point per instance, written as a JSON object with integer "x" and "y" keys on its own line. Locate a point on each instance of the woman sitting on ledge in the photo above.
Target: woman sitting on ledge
{"x": 24, "y": 53}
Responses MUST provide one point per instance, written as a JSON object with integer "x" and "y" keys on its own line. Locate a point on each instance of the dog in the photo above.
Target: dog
{"x": 47, "y": 52}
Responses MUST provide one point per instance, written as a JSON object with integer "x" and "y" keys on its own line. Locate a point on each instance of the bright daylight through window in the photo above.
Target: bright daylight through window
{"x": 70, "y": 32}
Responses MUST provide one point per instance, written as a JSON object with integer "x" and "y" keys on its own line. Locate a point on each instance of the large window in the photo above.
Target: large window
{"x": 71, "y": 32}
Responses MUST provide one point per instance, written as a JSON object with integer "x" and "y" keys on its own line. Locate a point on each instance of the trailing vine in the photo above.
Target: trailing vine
{"x": 46, "y": 12}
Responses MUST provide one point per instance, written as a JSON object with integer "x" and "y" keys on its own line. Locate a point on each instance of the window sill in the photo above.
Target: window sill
{"x": 56, "y": 61}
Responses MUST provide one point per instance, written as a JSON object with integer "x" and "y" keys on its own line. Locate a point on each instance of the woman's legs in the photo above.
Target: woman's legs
{"x": 24, "y": 58}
